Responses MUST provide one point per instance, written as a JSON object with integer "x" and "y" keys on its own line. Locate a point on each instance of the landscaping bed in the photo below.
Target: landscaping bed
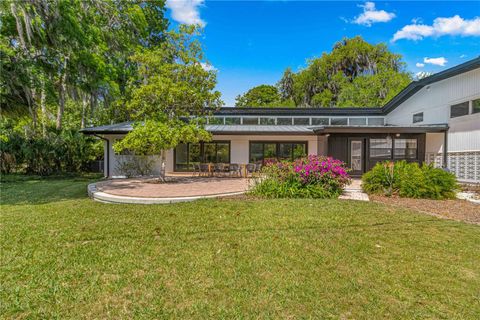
{"x": 455, "y": 209}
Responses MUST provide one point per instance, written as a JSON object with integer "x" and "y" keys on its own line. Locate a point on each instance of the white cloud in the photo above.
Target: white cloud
{"x": 371, "y": 15}
{"x": 419, "y": 65}
{"x": 186, "y": 11}
{"x": 441, "y": 61}
{"x": 463, "y": 56}
{"x": 208, "y": 67}
{"x": 455, "y": 25}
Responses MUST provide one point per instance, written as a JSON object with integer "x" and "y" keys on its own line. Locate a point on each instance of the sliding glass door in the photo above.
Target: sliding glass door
{"x": 187, "y": 155}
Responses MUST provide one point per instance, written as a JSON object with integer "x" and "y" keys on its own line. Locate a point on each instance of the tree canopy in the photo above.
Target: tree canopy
{"x": 354, "y": 74}
{"x": 259, "y": 96}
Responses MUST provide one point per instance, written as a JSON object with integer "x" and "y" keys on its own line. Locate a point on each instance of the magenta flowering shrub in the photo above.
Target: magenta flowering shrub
{"x": 315, "y": 169}
{"x": 309, "y": 177}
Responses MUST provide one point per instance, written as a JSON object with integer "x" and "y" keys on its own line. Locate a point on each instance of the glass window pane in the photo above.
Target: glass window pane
{"x": 358, "y": 121}
{"x": 320, "y": 121}
{"x": 181, "y": 157}
{"x": 232, "y": 120}
{"x": 210, "y": 154}
{"x": 375, "y": 122}
{"x": 269, "y": 151}
{"x": 405, "y": 148}
{"x": 215, "y": 120}
{"x": 299, "y": 150}
{"x": 339, "y": 121}
{"x": 267, "y": 121}
{"x": 256, "y": 152}
{"x": 194, "y": 154}
{"x": 381, "y": 148}
{"x": 250, "y": 120}
{"x": 301, "y": 121}
{"x": 418, "y": 117}
{"x": 476, "y": 106}
{"x": 223, "y": 152}
{"x": 284, "y": 121}
{"x": 285, "y": 151}
{"x": 459, "y": 110}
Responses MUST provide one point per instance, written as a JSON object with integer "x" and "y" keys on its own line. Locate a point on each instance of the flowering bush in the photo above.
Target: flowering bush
{"x": 310, "y": 177}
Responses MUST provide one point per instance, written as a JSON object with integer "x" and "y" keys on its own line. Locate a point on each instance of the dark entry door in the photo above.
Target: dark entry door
{"x": 356, "y": 156}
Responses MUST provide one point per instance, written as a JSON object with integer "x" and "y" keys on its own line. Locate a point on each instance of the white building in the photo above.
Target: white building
{"x": 437, "y": 113}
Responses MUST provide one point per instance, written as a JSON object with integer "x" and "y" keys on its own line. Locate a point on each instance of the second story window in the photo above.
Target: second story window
{"x": 476, "y": 106}
{"x": 458, "y": 110}
{"x": 418, "y": 117}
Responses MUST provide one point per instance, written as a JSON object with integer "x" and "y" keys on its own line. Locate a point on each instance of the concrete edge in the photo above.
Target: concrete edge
{"x": 104, "y": 197}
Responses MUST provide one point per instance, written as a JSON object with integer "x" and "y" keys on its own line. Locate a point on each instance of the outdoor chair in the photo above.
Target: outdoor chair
{"x": 219, "y": 169}
{"x": 250, "y": 168}
{"x": 258, "y": 167}
{"x": 204, "y": 169}
{"x": 196, "y": 169}
{"x": 235, "y": 169}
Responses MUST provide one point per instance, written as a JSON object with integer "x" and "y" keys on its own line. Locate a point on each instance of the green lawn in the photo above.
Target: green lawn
{"x": 65, "y": 256}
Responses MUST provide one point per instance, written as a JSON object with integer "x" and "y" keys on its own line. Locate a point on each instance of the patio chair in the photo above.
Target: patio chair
{"x": 258, "y": 167}
{"x": 219, "y": 169}
{"x": 196, "y": 169}
{"x": 204, "y": 169}
{"x": 250, "y": 167}
{"x": 235, "y": 169}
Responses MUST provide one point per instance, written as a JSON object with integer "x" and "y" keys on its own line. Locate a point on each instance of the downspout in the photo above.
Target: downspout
{"x": 108, "y": 153}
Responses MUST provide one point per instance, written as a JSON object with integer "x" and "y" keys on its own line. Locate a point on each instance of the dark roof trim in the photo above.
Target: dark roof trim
{"x": 415, "y": 86}
{"x": 381, "y": 129}
{"x": 307, "y": 112}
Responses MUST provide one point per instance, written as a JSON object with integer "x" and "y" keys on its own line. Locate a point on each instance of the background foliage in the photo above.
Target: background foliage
{"x": 354, "y": 74}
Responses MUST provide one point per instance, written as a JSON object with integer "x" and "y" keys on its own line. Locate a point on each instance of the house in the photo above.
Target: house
{"x": 434, "y": 120}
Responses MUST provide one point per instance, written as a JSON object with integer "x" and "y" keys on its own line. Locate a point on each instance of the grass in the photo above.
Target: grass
{"x": 65, "y": 256}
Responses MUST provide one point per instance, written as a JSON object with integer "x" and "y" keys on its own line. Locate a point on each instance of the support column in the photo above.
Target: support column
{"x": 445, "y": 149}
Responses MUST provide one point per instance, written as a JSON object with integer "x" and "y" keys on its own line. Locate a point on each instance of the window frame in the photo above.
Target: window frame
{"x": 417, "y": 115}
{"x": 202, "y": 153}
{"x": 277, "y": 147}
{"x": 457, "y": 105}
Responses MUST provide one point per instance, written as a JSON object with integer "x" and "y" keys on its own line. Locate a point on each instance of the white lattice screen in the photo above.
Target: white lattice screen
{"x": 465, "y": 165}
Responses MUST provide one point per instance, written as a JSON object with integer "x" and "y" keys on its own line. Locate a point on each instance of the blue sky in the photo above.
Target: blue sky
{"x": 252, "y": 42}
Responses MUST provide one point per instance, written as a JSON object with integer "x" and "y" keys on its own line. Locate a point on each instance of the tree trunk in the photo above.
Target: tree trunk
{"x": 43, "y": 109}
{"x": 63, "y": 90}
{"x": 84, "y": 108}
{"x": 162, "y": 166}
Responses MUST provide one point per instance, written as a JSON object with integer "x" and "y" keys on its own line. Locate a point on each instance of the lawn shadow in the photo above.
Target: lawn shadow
{"x": 21, "y": 190}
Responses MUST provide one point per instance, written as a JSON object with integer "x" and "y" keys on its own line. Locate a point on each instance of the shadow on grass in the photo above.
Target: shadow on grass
{"x": 23, "y": 189}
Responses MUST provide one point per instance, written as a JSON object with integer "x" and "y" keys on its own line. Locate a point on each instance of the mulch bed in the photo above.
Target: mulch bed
{"x": 456, "y": 209}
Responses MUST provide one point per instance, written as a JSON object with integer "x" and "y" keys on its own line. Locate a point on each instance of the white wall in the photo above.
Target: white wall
{"x": 435, "y": 101}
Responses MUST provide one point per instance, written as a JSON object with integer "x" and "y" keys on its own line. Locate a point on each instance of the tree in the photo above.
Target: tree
{"x": 170, "y": 96}
{"x": 354, "y": 73}
{"x": 153, "y": 137}
{"x": 259, "y": 96}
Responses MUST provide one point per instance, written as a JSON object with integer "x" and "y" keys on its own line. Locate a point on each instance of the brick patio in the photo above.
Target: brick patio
{"x": 175, "y": 187}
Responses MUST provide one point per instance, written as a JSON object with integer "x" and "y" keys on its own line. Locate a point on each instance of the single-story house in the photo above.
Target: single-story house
{"x": 434, "y": 120}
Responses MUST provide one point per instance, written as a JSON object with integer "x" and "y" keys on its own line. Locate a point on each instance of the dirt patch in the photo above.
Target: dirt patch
{"x": 459, "y": 210}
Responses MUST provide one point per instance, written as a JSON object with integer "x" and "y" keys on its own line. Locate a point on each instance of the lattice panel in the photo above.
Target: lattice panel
{"x": 465, "y": 165}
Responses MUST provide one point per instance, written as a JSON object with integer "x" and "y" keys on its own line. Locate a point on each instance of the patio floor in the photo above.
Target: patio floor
{"x": 174, "y": 188}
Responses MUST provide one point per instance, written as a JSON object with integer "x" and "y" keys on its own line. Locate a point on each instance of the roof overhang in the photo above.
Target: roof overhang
{"x": 381, "y": 129}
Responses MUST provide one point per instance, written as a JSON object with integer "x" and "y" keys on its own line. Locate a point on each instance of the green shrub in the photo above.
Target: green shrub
{"x": 310, "y": 177}
{"x": 409, "y": 180}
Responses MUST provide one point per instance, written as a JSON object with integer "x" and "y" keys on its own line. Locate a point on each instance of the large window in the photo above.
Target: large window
{"x": 381, "y": 148}
{"x": 459, "y": 110}
{"x": 405, "y": 149}
{"x": 261, "y": 151}
{"x": 187, "y": 155}
{"x": 339, "y": 121}
{"x": 476, "y": 106}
